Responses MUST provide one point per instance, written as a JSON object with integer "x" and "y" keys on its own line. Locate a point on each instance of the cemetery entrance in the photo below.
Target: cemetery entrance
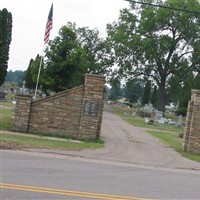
{"x": 75, "y": 113}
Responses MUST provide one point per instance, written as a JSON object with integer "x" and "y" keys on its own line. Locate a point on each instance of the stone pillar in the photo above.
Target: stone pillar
{"x": 187, "y": 126}
{"x": 92, "y": 107}
{"x": 22, "y": 112}
{"x": 192, "y": 127}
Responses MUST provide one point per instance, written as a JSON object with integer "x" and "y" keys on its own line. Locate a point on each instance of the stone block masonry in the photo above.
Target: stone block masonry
{"x": 75, "y": 113}
{"x": 22, "y": 112}
{"x": 191, "y": 141}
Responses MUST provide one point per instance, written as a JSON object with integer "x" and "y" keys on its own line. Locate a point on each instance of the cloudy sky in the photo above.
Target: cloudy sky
{"x": 30, "y": 17}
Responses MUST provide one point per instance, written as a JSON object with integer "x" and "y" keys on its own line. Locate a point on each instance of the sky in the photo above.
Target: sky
{"x": 30, "y": 17}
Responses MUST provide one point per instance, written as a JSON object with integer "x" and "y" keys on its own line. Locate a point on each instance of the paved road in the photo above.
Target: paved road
{"x": 128, "y": 144}
{"x": 132, "y": 164}
{"x": 36, "y": 176}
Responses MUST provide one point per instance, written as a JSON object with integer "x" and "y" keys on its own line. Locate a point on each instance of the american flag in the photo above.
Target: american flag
{"x": 49, "y": 25}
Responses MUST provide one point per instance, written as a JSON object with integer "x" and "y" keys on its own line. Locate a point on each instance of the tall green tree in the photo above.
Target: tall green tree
{"x": 154, "y": 97}
{"x": 147, "y": 93}
{"x": 115, "y": 91}
{"x": 32, "y": 72}
{"x": 5, "y": 40}
{"x": 180, "y": 86}
{"x": 156, "y": 42}
{"x": 74, "y": 52}
{"x": 133, "y": 90}
{"x": 196, "y": 81}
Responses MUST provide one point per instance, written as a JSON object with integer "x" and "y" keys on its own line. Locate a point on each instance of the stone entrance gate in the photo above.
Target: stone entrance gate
{"x": 192, "y": 128}
{"x": 75, "y": 113}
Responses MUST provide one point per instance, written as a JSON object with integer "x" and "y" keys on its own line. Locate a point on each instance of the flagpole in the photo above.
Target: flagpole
{"x": 49, "y": 26}
{"x": 38, "y": 76}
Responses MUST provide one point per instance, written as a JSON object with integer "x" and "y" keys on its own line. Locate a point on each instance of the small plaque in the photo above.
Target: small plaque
{"x": 91, "y": 108}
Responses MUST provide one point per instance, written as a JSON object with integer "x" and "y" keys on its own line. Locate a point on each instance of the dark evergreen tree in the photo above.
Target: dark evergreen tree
{"x": 133, "y": 90}
{"x": 32, "y": 73}
{"x": 5, "y": 39}
{"x": 115, "y": 91}
{"x": 29, "y": 75}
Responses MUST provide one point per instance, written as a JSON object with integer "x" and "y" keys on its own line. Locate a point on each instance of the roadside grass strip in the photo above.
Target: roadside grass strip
{"x": 173, "y": 141}
{"x": 31, "y": 141}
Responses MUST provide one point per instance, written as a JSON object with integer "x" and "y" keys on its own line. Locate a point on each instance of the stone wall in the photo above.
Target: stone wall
{"x": 76, "y": 112}
{"x": 191, "y": 140}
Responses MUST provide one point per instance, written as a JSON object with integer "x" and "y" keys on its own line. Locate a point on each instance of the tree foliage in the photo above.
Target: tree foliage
{"x": 134, "y": 90}
{"x": 5, "y": 40}
{"x": 32, "y": 72}
{"x": 72, "y": 54}
{"x": 196, "y": 82}
{"x": 147, "y": 93}
{"x": 155, "y": 42}
{"x": 15, "y": 76}
{"x": 115, "y": 91}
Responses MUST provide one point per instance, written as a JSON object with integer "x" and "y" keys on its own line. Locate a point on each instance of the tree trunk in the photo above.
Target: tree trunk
{"x": 162, "y": 95}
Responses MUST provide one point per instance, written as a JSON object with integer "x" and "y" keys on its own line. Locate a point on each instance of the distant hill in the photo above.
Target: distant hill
{"x": 15, "y": 76}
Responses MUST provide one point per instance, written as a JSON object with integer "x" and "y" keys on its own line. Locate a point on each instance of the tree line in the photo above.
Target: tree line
{"x": 147, "y": 45}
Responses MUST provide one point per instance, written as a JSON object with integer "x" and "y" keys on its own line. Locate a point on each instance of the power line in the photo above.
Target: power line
{"x": 166, "y": 7}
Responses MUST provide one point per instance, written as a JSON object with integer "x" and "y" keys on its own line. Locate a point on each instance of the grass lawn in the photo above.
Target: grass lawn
{"x": 175, "y": 142}
{"x": 6, "y": 114}
{"x": 25, "y": 141}
{"x": 139, "y": 122}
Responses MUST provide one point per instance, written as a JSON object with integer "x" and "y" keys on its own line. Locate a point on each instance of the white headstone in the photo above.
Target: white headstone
{"x": 146, "y": 120}
{"x": 159, "y": 115}
{"x": 161, "y": 121}
{"x": 180, "y": 121}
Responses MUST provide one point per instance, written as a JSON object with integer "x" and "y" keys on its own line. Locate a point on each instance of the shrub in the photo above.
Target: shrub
{"x": 181, "y": 111}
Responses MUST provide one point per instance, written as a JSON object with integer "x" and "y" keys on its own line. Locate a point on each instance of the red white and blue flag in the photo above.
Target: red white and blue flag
{"x": 49, "y": 25}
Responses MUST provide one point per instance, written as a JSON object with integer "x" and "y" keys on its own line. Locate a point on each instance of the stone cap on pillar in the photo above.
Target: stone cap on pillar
{"x": 94, "y": 76}
{"x": 195, "y": 93}
{"x": 25, "y": 95}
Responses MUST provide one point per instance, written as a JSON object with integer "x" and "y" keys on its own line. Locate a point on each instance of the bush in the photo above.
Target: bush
{"x": 144, "y": 114}
{"x": 181, "y": 111}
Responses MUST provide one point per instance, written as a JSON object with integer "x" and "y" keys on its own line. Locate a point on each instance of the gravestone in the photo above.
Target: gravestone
{"x": 133, "y": 114}
{"x": 180, "y": 121}
{"x": 23, "y": 89}
{"x": 44, "y": 95}
{"x": 161, "y": 121}
{"x": 148, "y": 108}
{"x": 2, "y": 95}
{"x": 171, "y": 122}
{"x": 159, "y": 115}
{"x": 146, "y": 120}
